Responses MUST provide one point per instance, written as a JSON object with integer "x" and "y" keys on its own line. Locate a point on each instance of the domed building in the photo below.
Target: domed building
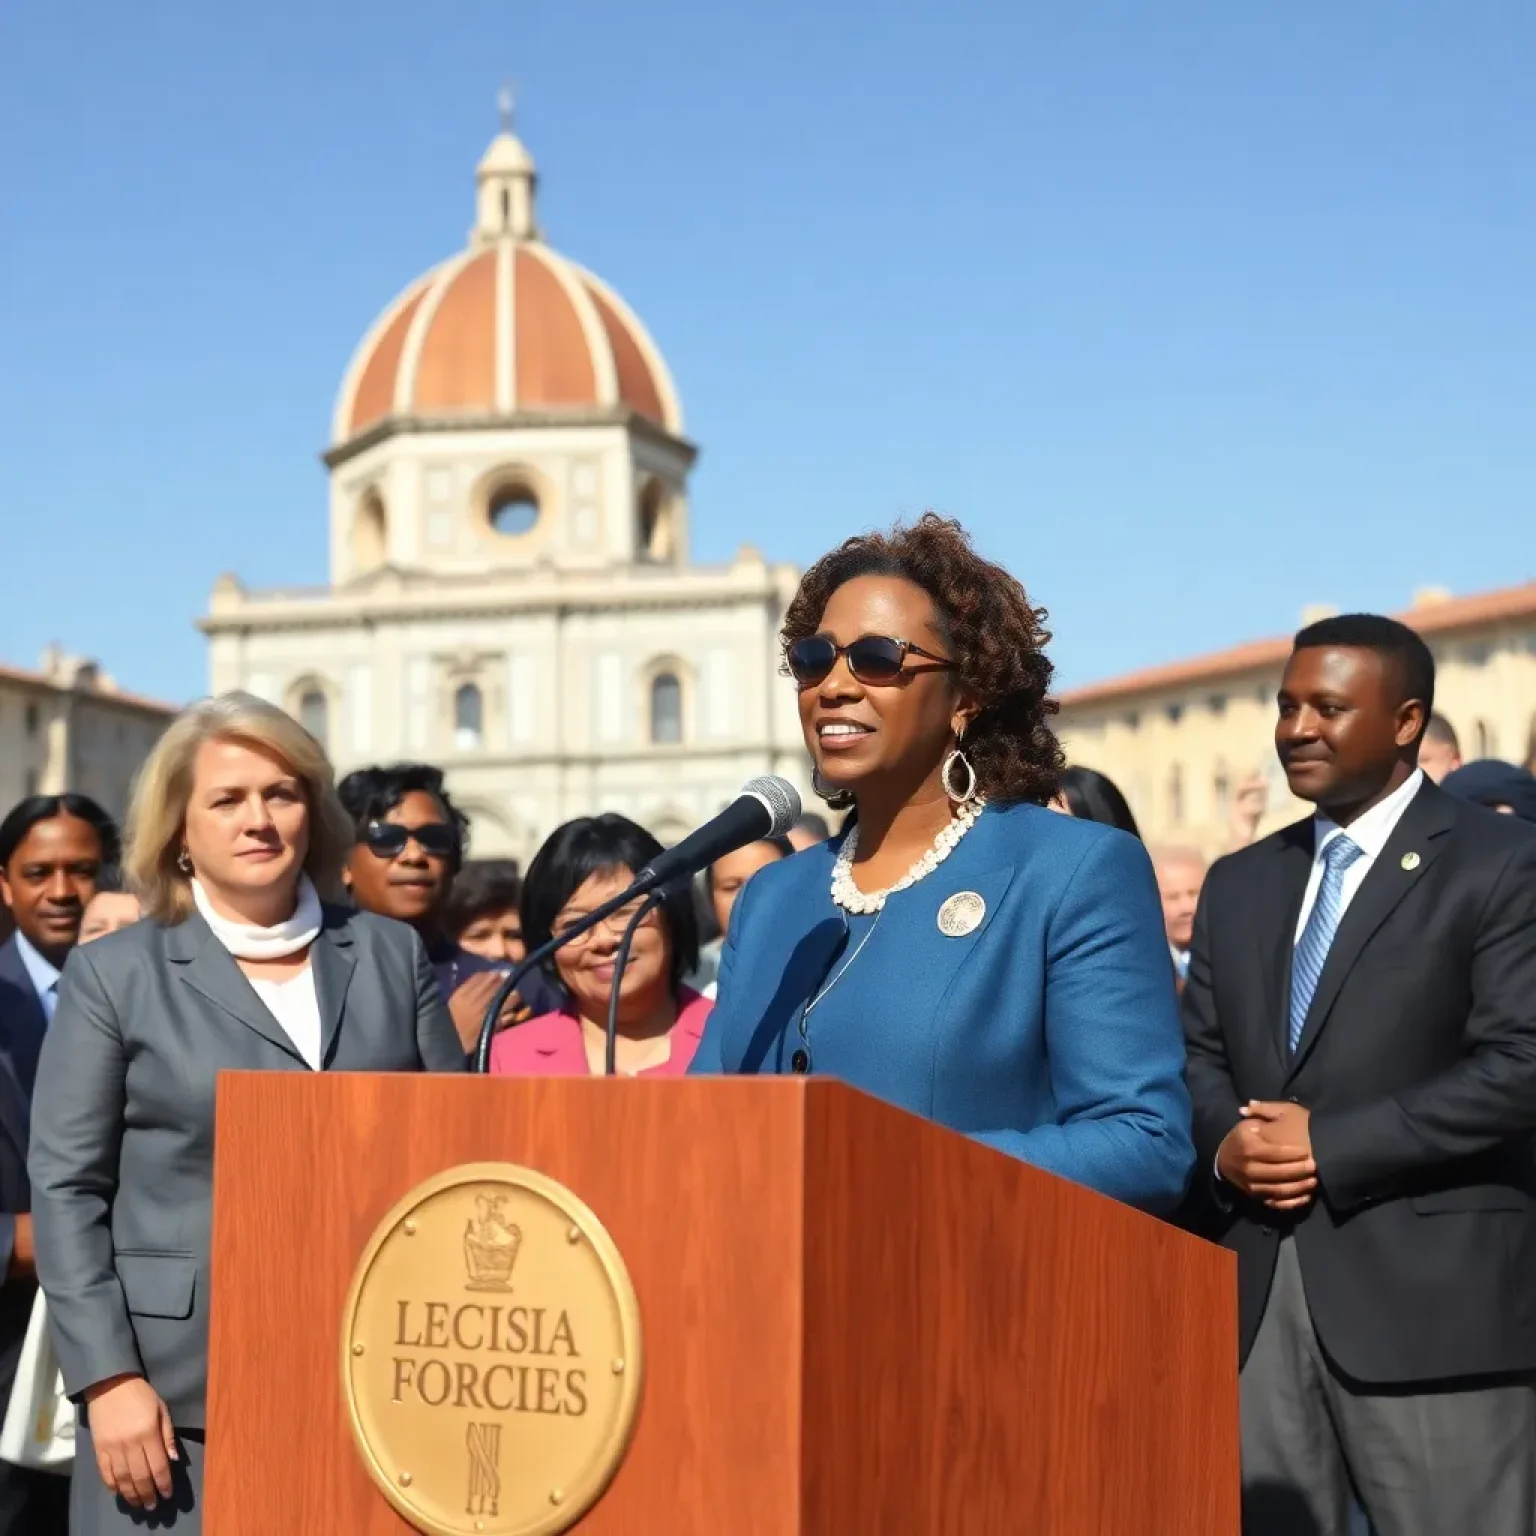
{"x": 511, "y": 594}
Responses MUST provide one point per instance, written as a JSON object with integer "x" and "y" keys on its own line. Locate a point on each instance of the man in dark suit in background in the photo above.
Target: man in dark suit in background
{"x": 52, "y": 847}
{"x": 1361, "y": 1019}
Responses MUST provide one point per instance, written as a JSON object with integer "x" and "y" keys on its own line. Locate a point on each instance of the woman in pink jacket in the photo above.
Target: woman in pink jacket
{"x": 660, "y": 1020}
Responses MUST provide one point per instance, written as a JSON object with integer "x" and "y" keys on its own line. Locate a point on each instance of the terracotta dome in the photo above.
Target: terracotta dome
{"x": 506, "y": 328}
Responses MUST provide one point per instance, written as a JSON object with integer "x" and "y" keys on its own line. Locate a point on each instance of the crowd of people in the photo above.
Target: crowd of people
{"x": 1319, "y": 1052}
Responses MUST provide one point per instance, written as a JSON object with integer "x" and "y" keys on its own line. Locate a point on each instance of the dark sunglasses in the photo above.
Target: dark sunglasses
{"x": 871, "y": 658}
{"x": 388, "y": 838}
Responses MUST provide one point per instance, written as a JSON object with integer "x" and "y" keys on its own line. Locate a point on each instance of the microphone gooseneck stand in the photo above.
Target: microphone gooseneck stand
{"x": 645, "y": 882}
{"x": 764, "y": 807}
{"x": 620, "y": 960}
{"x": 482, "y": 1058}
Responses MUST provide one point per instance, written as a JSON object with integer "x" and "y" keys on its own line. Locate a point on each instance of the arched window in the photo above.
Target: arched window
{"x": 369, "y": 538}
{"x": 315, "y": 714}
{"x": 1176, "y": 796}
{"x": 655, "y": 522}
{"x": 666, "y": 709}
{"x": 1485, "y": 739}
{"x": 468, "y": 718}
{"x": 1221, "y": 785}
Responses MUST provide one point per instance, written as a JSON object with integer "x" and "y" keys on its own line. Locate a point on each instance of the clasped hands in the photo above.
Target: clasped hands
{"x": 1268, "y": 1155}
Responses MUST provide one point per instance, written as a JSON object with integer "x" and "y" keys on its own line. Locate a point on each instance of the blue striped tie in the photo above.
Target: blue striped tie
{"x": 1322, "y": 923}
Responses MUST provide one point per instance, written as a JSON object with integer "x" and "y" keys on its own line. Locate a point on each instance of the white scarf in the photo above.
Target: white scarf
{"x": 248, "y": 941}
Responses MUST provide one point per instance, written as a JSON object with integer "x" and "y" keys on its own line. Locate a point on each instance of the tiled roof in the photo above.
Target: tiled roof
{"x": 46, "y": 684}
{"x": 1431, "y": 618}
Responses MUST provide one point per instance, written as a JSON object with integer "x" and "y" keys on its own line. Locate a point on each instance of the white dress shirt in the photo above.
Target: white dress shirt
{"x": 296, "y": 1007}
{"x": 1368, "y": 832}
{"x": 43, "y": 974}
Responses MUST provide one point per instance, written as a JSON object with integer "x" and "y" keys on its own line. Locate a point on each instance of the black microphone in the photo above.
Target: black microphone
{"x": 766, "y": 807}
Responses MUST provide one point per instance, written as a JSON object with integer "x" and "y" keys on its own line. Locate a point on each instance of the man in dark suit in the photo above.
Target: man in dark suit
{"x": 52, "y": 848}
{"x": 1361, "y": 1020}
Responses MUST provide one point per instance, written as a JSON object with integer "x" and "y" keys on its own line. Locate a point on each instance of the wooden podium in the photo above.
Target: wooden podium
{"x": 854, "y": 1321}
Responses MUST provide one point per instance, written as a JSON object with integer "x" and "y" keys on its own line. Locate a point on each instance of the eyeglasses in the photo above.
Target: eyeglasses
{"x": 387, "y": 839}
{"x": 876, "y": 659}
{"x": 615, "y": 922}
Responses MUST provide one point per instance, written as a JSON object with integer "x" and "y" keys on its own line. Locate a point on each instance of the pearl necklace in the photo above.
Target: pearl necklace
{"x": 850, "y": 898}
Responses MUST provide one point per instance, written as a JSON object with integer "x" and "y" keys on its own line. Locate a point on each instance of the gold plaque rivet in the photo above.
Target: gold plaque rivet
{"x": 1410, "y": 861}
{"x": 410, "y": 1229}
{"x": 618, "y": 1367}
{"x": 574, "y": 1235}
{"x": 556, "y": 1496}
{"x": 405, "y": 1479}
{"x": 357, "y": 1349}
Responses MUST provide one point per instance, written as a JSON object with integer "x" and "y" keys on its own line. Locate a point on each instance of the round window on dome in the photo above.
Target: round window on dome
{"x": 513, "y": 510}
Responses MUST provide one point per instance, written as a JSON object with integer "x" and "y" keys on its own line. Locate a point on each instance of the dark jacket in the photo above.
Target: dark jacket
{"x": 1418, "y": 1063}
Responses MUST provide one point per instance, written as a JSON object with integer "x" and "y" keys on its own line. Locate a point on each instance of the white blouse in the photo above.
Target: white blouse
{"x": 296, "y": 1007}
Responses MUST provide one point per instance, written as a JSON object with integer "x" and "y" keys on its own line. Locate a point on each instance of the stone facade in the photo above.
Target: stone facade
{"x": 511, "y": 594}
{"x": 67, "y": 726}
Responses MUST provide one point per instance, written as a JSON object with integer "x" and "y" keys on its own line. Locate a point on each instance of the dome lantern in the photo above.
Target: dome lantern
{"x": 505, "y": 182}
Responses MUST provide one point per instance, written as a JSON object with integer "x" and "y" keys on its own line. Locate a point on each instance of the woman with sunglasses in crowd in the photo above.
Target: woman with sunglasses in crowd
{"x": 959, "y": 951}
{"x": 583, "y": 864}
{"x": 410, "y": 845}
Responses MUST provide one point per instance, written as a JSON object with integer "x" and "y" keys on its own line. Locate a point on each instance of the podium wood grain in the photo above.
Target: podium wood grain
{"x": 854, "y": 1321}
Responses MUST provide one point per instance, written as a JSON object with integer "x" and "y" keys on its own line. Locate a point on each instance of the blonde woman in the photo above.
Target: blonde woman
{"x": 234, "y": 837}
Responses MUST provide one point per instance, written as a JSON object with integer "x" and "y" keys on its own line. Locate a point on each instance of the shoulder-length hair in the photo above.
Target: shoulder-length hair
{"x": 158, "y": 815}
{"x": 593, "y": 845}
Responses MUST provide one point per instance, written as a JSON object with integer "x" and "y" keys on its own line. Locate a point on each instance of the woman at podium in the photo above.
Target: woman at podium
{"x": 960, "y": 951}
{"x": 234, "y": 833}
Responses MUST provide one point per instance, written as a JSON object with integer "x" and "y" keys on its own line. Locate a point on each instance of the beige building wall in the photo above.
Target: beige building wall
{"x": 1180, "y": 739}
{"x": 67, "y": 726}
{"x": 565, "y": 671}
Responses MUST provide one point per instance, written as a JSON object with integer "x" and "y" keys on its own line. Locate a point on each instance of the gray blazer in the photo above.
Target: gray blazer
{"x": 122, "y": 1123}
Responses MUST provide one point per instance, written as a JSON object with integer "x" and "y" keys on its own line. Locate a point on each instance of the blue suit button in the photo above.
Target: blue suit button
{"x": 800, "y": 1061}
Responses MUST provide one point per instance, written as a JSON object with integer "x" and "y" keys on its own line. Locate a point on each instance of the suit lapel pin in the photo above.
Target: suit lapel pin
{"x": 961, "y": 914}
{"x": 1410, "y": 861}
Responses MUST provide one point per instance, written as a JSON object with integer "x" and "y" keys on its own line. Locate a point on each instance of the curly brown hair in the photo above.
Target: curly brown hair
{"x": 995, "y": 635}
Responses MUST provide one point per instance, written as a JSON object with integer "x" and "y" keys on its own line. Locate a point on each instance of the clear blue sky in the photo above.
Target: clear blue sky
{"x": 1193, "y": 313}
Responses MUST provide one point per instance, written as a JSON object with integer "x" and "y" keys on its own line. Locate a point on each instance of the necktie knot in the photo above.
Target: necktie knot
{"x": 1339, "y": 854}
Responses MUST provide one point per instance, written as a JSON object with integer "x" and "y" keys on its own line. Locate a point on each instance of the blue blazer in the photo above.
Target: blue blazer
{"x": 1049, "y": 1032}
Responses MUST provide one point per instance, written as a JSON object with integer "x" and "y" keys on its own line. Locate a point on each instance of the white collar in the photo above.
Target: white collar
{"x": 42, "y": 972}
{"x": 1370, "y": 830}
{"x": 249, "y": 941}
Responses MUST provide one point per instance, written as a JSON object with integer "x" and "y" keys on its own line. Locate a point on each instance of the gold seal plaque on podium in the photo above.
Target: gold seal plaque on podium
{"x": 491, "y": 1354}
